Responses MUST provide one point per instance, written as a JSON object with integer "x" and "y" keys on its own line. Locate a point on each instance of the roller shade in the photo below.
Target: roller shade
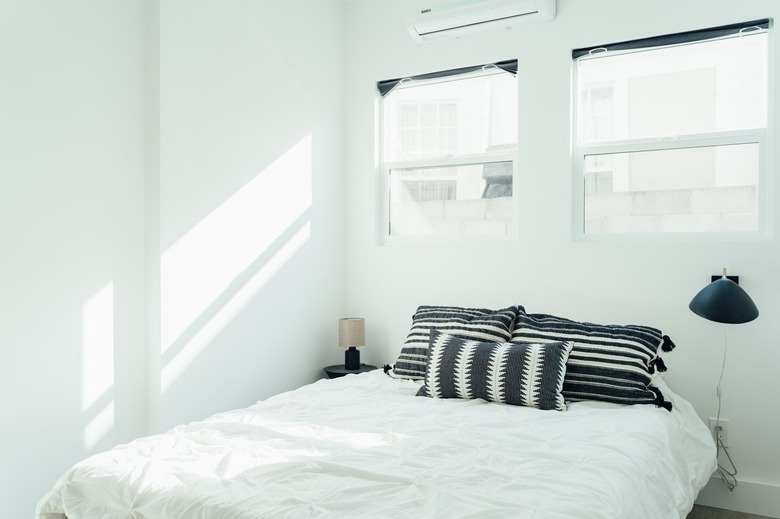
{"x": 387, "y": 86}
{"x": 724, "y": 31}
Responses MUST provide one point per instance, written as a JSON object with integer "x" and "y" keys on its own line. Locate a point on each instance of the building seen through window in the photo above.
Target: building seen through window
{"x": 448, "y": 155}
{"x": 672, "y": 138}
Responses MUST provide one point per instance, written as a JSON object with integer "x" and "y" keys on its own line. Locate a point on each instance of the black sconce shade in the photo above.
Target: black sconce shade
{"x": 723, "y": 301}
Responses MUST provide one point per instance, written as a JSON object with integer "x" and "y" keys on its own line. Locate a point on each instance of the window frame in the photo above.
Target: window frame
{"x": 760, "y": 136}
{"x": 385, "y": 168}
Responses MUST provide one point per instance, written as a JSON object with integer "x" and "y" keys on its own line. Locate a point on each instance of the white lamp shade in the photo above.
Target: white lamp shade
{"x": 352, "y": 332}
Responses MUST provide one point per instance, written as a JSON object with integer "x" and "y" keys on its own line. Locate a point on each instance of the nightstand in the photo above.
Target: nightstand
{"x": 339, "y": 370}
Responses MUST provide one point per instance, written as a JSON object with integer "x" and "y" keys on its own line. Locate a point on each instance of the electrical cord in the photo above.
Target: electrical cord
{"x": 729, "y": 476}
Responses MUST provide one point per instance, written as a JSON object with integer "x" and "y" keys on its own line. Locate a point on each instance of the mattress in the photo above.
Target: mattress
{"x": 365, "y": 446}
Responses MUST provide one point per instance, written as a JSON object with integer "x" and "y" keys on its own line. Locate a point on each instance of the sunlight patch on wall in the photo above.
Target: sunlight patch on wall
{"x": 97, "y": 362}
{"x": 218, "y": 266}
{"x": 199, "y": 266}
{"x": 99, "y": 427}
{"x": 174, "y": 367}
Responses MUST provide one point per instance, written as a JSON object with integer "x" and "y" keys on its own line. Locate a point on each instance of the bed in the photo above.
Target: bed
{"x": 371, "y": 445}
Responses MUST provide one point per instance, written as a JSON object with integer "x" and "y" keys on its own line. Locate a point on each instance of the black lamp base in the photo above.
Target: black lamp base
{"x": 352, "y": 358}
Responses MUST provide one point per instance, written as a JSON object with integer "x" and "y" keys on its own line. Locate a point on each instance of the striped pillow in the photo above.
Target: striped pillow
{"x": 479, "y": 324}
{"x": 611, "y": 363}
{"x": 529, "y": 375}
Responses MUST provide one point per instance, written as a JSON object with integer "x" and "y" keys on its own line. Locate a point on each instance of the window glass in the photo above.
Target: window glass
{"x": 713, "y": 188}
{"x": 448, "y": 147}
{"x": 672, "y": 138}
{"x": 451, "y": 117}
{"x": 688, "y": 89}
{"x": 473, "y": 200}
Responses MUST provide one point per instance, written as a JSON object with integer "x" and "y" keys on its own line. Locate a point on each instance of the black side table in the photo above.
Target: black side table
{"x": 339, "y": 370}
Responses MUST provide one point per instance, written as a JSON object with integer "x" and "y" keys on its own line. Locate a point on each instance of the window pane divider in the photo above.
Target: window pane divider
{"x": 450, "y": 161}
{"x": 673, "y": 143}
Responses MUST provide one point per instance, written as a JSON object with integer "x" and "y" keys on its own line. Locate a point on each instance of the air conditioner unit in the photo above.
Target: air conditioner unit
{"x": 455, "y": 18}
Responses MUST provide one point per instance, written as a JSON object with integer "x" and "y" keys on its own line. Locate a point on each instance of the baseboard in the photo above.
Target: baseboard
{"x": 749, "y": 497}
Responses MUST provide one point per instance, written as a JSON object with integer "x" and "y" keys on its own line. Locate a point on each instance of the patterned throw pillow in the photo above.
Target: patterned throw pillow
{"x": 479, "y": 324}
{"x": 530, "y": 375}
{"x": 611, "y": 363}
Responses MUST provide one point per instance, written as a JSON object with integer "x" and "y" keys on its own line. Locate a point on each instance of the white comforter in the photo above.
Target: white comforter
{"x": 365, "y": 446}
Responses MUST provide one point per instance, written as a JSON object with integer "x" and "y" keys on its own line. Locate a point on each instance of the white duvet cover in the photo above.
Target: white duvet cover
{"x": 365, "y": 446}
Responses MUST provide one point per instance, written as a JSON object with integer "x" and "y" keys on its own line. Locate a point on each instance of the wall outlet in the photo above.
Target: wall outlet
{"x": 722, "y": 432}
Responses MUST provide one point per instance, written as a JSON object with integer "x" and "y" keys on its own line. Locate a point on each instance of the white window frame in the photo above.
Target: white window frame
{"x": 384, "y": 169}
{"x": 760, "y": 136}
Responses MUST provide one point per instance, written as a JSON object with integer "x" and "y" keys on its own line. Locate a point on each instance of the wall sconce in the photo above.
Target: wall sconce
{"x": 724, "y": 301}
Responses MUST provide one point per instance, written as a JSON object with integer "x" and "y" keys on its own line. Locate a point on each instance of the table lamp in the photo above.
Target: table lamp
{"x": 352, "y": 333}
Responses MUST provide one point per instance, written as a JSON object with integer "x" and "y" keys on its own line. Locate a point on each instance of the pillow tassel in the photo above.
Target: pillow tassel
{"x": 387, "y": 367}
{"x": 667, "y": 344}
{"x": 659, "y": 399}
{"x": 657, "y": 364}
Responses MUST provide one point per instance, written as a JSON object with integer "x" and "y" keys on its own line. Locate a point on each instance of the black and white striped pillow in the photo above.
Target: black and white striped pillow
{"x": 611, "y": 363}
{"x": 529, "y": 375}
{"x": 480, "y": 324}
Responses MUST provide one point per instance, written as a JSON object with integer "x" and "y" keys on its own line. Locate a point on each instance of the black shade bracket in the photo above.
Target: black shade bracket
{"x": 735, "y": 279}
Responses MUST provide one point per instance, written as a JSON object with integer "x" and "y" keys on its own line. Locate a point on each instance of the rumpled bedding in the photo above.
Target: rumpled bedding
{"x": 364, "y": 446}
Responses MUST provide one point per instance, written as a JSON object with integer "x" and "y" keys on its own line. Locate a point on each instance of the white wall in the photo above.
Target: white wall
{"x": 167, "y": 172}
{"x": 546, "y": 270}
{"x": 71, "y": 227}
{"x": 251, "y": 219}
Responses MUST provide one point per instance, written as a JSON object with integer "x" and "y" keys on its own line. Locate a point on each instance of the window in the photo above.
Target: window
{"x": 448, "y": 146}
{"x": 671, "y": 133}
